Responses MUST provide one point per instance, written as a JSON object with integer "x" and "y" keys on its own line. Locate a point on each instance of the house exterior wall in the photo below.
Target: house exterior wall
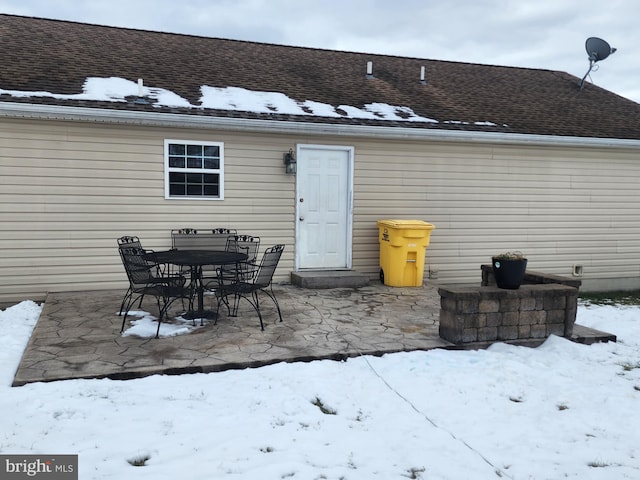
{"x": 559, "y": 206}
{"x": 69, "y": 189}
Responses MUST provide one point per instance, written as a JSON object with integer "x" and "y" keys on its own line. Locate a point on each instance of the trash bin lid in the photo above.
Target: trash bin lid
{"x": 413, "y": 224}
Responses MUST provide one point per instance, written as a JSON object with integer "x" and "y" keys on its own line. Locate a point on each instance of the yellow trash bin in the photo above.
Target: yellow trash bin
{"x": 403, "y": 244}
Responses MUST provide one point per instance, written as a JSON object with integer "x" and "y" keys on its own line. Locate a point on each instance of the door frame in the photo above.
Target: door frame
{"x": 350, "y": 150}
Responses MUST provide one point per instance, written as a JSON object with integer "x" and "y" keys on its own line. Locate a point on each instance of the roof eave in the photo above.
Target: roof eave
{"x": 161, "y": 119}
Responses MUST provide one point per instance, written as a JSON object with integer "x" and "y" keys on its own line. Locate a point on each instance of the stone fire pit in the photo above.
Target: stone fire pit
{"x": 544, "y": 305}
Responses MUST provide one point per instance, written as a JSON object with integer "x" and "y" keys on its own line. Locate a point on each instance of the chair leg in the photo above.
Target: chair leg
{"x": 275, "y": 301}
{"x": 162, "y": 312}
{"x": 225, "y": 300}
{"x": 126, "y": 304}
{"x": 125, "y": 308}
{"x": 215, "y": 322}
{"x": 164, "y": 309}
{"x": 159, "y": 322}
{"x": 125, "y": 300}
{"x": 236, "y": 304}
{"x": 124, "y": 320}
{"x": 128, "y": 301}
{"x": 192, "y": 296}
{"x": 255, "y": 303}
{"x": 254, "y": 294}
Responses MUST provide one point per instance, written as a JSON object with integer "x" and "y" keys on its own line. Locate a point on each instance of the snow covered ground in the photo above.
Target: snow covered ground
{"x": 562, "y": 410}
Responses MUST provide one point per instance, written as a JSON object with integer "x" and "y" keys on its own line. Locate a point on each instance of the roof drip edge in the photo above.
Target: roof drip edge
{"x": 128, "y": 117}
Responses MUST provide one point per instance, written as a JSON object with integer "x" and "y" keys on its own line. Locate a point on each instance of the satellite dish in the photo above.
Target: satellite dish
{"x": 597, "y": 49}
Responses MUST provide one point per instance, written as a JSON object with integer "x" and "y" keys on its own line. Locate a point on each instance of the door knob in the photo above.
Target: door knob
{"x": 301, "y": 219}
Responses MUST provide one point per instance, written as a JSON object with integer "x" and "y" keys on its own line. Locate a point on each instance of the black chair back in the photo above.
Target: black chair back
{"x": 129, "y": 241}
{"x": 139, "y": 270}
{"x": 192, "y": 239}
{"x": 268, "y": 266}
{"x": 246, "y": 244}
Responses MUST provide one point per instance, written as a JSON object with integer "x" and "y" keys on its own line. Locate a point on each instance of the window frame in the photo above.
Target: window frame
{"x": 219, "y": 171}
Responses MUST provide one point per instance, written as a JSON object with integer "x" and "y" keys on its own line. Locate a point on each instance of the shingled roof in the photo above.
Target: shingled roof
{"x": 321, "y": 86}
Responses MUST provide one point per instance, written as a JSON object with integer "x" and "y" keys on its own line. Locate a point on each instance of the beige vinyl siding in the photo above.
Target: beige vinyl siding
{"x": 559, "y": 206}
{"x": 69, "y": 189}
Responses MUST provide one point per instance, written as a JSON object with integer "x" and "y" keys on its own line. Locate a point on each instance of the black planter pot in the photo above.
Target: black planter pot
{"x": 509, "y": 274}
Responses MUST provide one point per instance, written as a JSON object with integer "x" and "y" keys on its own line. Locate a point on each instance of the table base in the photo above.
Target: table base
{"x": 193, "y": 314}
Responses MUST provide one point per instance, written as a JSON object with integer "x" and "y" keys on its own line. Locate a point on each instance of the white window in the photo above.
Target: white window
{"x": 193, "y": 170}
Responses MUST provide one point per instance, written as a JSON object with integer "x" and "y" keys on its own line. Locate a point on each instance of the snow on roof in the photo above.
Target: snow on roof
{"x": 115, "y": 89}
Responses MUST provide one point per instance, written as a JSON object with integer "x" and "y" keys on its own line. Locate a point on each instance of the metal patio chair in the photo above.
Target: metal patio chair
{"x": 132, "y": 241}
{"x": 145, "y": 278}
{"x": 260, "y": 282}
{"x": 249, "y": 245}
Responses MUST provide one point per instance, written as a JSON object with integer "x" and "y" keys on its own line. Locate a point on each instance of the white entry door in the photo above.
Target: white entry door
{"x": 323, "y": 207}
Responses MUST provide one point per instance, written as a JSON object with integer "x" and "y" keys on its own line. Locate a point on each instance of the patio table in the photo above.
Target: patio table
{"x": 195, "y": 260}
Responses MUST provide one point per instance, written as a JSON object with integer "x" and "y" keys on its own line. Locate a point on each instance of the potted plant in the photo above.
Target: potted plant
{"x": 509, "y": 269}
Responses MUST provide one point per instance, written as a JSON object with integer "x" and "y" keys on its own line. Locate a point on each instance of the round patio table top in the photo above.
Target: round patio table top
{"x": 194, "y": 258}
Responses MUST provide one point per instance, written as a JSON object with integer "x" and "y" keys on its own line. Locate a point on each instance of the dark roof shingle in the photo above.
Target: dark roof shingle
{"x": 58, "y": 56}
